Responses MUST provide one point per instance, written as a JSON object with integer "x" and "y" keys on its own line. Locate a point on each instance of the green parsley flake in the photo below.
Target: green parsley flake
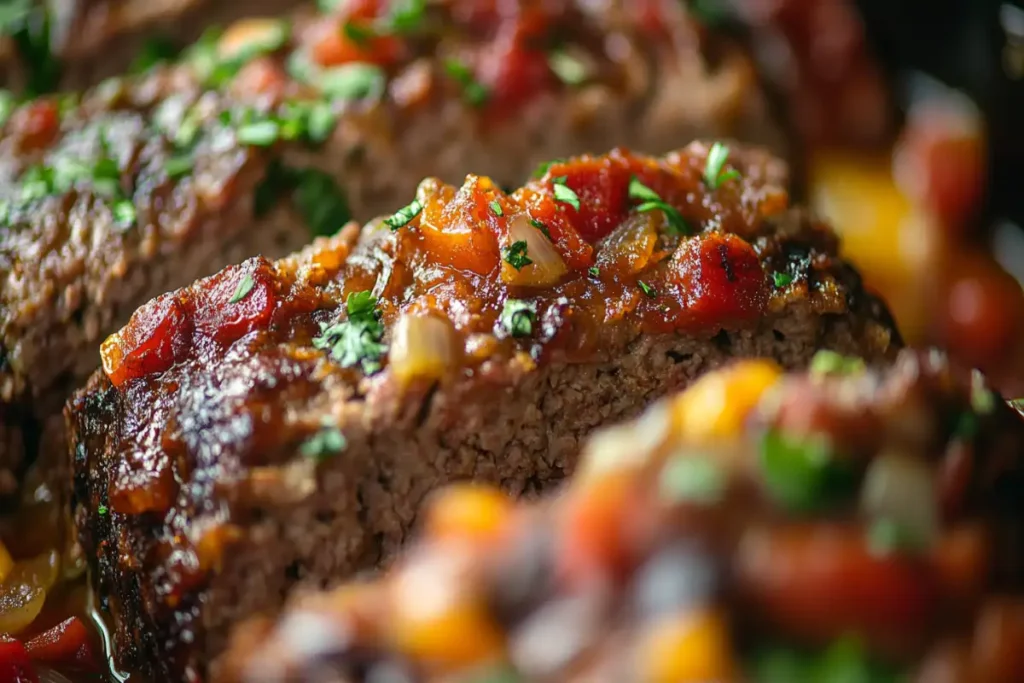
{"x": 801, "y": 473}
{"x": 472, "y": 90}
{"x": 357, "y": 33}
{"x": 243, "y": 289}
{"x": 647, "y": 289}
{"x": 594, "y": 271}
{"x": 326, "y": 442}
{"x": 544, "y": 166}
{"x": 640, "y": 192}
{"x": 124, "y": 213}
{"x": 651, "y": 201}
{"x": 405, "y": 215}
{"x": 320, "y": 201}
{"x": 827, "y": 362}
{"x": 405, "y": 16}
{"x": 714, "y": 172}
{"x": 569, "y": 69}
{"x": 496, "y": 208}
{"x": 518, "y": 317}
{"x": 516, "y": 255}
{"x": 356, "y": 340}
{"x": 782, "y": 280}
{"x": 540, "y": 226}
{"x": 102, "y": 509}
{"x": 178, "y": 166}
{"x": 259, "y": 134}
{"x": 320, "y": 122}
{"x": 353, "y": 81}
{"x": 564, "y": 193}
{"x": 688, "y": 478}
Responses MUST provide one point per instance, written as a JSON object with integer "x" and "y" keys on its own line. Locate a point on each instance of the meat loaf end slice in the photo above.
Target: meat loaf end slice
{"x": 692, "y": 545}
{"x": 153, "y": 181}
{"x": 279, "y": 424}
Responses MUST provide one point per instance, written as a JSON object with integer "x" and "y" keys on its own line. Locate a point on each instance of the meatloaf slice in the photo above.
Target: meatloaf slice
{"x": 279, "y": 423}
{"x": 838, "y": 525}
{"x": 151, "y": 182}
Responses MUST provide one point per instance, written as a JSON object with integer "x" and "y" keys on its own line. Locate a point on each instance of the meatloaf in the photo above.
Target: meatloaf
{"x": 279, "y": 423}
{"x": 839, "y": 525}
{"x": 150, "y": 182}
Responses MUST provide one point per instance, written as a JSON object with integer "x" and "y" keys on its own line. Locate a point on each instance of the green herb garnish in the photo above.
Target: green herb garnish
{"x": 357, "y": 33}
{"x": 124, "y": 213}
{"x": 570, "y": 70}
{"x": 155, "y": 51}
{"x": 564, "y": 193}
{"x": 327, "y": 441}
{"x": 647, "y": 289}
{"x": 321, "y": 201}
{"x": 178, "y": 165}
{"x": 102, "y": 509}
{"x": 540, "y": 226}
{"x": 259, "y": 134}
{"x": 405, "y": 16}
{"x": 356, "y": 340}
{"x": 801, "y": 473}
{"x": 496, "y": 208}
{"x": 827, "y": 362}
{"x": 651, "y": 201}
{"x": 243, "y": 289}
{"x": 688, "y": 478}
{"x": 404, "y": 216}
{"x": 518, "y": 317}
{"x": 516, "y": 256}
{"x": 782, "y": 279}
{"x": 542, "y": 167}
{"x": 321, "y": 122}
{"x": 472, "y": 90}
{"x": 353, "y": 81}
{"x": 594, "y": 271}
{"x": 714, "y": 172}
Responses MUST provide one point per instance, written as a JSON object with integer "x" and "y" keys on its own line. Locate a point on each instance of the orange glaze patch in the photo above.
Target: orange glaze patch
{"x": 470, "y": 250}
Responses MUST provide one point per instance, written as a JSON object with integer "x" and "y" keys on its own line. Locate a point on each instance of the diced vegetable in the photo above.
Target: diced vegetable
{"x": 826, "y": 362}
{"x": 693, "y": 648}
{"x": 716, "y": 405}
{"x": 593, "y": 528}
{"x": 628, "y": 249}
{"x": 65, "y": 645}
{"x": 15, "y": 666}
{"x": 24, "y": 591}
{"x": 544, "y": 267}
{"x": 801, "y": 473}
{"x": 468, "y": 511}
{"x": 458, "y": 231}
{"x": 422, "y": 347}
{"x": 901, "y": 490}
{"x": 147, "y": 344}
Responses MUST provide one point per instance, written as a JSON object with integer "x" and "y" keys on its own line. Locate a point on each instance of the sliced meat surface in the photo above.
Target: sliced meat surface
{"x": 278, "y": 424}
{"x": 842, "y": 524}
{"x": 275, "y": 130}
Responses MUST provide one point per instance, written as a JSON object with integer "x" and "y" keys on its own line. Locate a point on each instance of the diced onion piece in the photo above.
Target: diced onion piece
{"x": 627, "y": 250}
{"x": 546, "y": 266}
{"x": 423, "y": 347}
{"x": 901, "y": 489}
{"x": 6, "y": 562}
{"x": 24, "y": 591}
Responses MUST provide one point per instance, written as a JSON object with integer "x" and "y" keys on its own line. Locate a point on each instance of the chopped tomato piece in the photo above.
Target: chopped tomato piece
{"x": 36, "y": 124}
{"x": 821, "y": 581}
{"x": 66, "y": 644}
{"x": 710, "y": 281}
{"x": 149, "y": 343}
{"x": 15, "y": 666}
{"x": 593, "y": 529}
{"x": 236, "y": 301}
{"x": 461, "y": 230}
{"x": 513, "y": 73}
{"x": 333, "y": 45}
{"x": 574, "y": 250}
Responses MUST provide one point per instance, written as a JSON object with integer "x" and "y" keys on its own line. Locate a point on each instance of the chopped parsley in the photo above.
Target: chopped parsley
{"x": 357, "y": 33}
{"x": 518, "y": 317}
{"x": 102, "y": 509}
{"x": 320, "y": 122}
{"x": 327, "y": 441}
{"x": 715, "y": 173}
{"x": 782, "y": 279}
{"x": 570, "y": 70}
{"x": 405, "y": 16}
{"x": 540, "y": 226}
{"x": 496, "y": 208}
{"x": 259, "y": 134}
{"x": 472, "y": 90}
{"x": 352, "y": 81}
{"x": 826, "y": 362}
{"x": 542, "y": 167}
{"x": 594, "y": 271}
{"x": 316, "y": 195}
{"x": 516, "y": 256}
{"x": 156, "y": 50}
{"x": 647, "y": 289}
{"x": 357, "y": 339}
{"x": 243, "y": 289}
{"x": 124, "y": 213}
{"x": 178, "y": 165}
{"x": 566, "y": 194}
{"x": 651, "y": 201}
{"x": 801, "y": 473}
{"x": 844, "y": 661}
{"x": 404, "y": 216}
{"x": 688, "y": 478}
